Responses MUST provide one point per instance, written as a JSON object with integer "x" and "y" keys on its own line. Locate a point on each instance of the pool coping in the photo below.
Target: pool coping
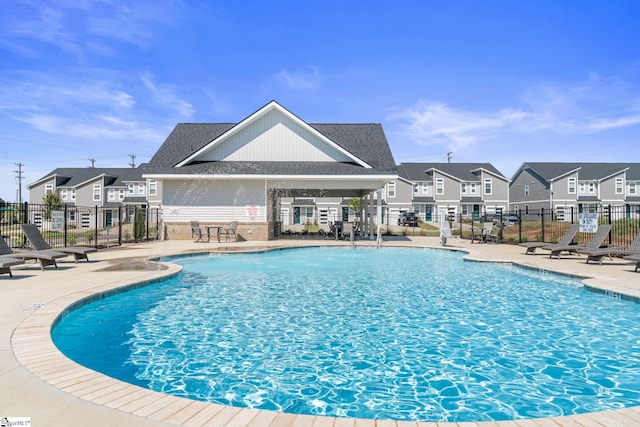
{"x": 34, "y": 349}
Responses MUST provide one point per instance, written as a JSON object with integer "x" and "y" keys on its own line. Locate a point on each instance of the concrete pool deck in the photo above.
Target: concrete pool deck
{"x": 40, "y": 383}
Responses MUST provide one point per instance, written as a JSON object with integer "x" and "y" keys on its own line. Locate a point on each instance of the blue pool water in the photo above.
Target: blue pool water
{"x": 391, "y": 333}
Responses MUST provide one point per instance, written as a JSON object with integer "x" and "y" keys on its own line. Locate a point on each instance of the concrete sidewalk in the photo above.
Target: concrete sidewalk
{"x": 40, "y": 383}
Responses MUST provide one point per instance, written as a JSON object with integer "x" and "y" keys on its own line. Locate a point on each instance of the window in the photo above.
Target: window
{"x": 48, "y": 189}
{"x": 487, "y": 185}
{"x": 72, "y": 194}
{"x": 592, "y": 187}
{"x": 582, "y": 187}
{"x": 121, "y": 194}
{"x": 153, "y": 187}
{"x": 131, "y": 189}
{"x": 416, "y": 188}
{"x": 619, "y": 186}
{"x": 112, "y": 195}
{"x": 468, "y": 187}
{"x": 632, "y": 188}
{"x": 439, "y": 186}
{"x": 141, "y": 188}
{"x": 427, "y": 188}
{"x": 63, "y": 194}
{"x": 97, "y": 189}
{"x": 526, "y": 190}
{"x": 571, "y": 189}
{"x": 391, "y": 189}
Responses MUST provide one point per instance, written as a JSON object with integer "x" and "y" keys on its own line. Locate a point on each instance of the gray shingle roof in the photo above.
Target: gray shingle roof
{"x": 588, "y": 171}
{"x": 365, "y": 141}
{"x": 70, "y": 177}
{"x": 462, "y": 171}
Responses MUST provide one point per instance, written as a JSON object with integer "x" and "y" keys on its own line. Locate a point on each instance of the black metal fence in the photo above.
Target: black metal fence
{"x": 546, "y": 225}
{"x": 71, "y": 225}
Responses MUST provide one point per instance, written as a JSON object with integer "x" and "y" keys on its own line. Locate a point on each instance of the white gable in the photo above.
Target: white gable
{"x": 273, "y": 134}
{"x": 273, "y": 137}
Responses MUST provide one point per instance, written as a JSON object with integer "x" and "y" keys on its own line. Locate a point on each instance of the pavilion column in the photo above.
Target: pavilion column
{"x": 371, "y": 216}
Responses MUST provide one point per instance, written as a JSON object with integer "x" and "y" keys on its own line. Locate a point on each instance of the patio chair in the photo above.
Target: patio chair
{"x": 597, "y": 254}
{"x": 348, "y": 229}
{"x": 566, "y": 239}
{"x": 38, "y": 243}
{"x": 636, "y": 258}
{"x": 45, "y": 257}
{"x": 480, "y": 233}
{"x": 495, "y": 235}
{"x": 198, "y": 232}
{"x": 230, "y": 231}
{"x": 445, "y": 231}
{"x": 595, "y": 242}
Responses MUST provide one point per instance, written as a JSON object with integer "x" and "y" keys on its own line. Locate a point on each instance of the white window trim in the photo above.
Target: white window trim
{"x": 439, "y": 186}
{"x": 619, "y": 186}
{"x": 391, "y": 189}
{"x": 490, "y": 182}
{"x": 571, "y": 186}
{"x": 97, "y": 195}
{"x": 153, "y": 187}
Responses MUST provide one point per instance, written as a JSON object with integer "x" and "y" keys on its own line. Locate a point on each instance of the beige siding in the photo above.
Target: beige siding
{"x": 214, "y": 201}
{"x": 274, "y": 138}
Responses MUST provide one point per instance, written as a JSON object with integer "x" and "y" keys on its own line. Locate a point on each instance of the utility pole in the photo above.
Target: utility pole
{"x": 449, "y": 156}
{"x": 19, "y": 178}
{"x": 93, "y": 162}
{"x": 133, "y": 160}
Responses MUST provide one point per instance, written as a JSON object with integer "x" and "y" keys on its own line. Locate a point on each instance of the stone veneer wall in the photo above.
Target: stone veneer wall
{"x": 246, "y": 232}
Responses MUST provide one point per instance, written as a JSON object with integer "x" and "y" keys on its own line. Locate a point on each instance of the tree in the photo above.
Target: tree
{"x": 354, "y": 205}
{"x": 52, "y": 202}
{"x": 139, "y": 230}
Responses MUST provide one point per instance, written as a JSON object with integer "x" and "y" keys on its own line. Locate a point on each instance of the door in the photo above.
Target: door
{"x": 296, "y": 215}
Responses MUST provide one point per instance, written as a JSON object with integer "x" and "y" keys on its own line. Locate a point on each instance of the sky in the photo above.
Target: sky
{"x": 496, "y": 81}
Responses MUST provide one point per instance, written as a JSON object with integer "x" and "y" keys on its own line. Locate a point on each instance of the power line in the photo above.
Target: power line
{"x": 19, "y": 178}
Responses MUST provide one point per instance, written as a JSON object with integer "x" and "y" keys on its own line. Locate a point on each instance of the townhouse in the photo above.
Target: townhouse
{"x": 115, "y": 193}
{"x": 569, "y": 188}
{"x": 435, "y": 189}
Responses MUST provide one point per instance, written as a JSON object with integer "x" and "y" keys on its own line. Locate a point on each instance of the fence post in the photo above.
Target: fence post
{"x": 95, "y": 232}
{"x": 519, "y": 226}
{"x": 542, "y": 223}
{"x": 64, "y": 234}
{"x": 24, "y": 220}
{"x": 146, "y": 217}
{"x": 610, "y": 223}
{"x": 120, "y": 225}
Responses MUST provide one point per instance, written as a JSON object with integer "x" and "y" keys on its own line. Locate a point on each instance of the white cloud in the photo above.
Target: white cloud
{"x": 298, "y": 80}
{"x": 166, "y": 96}
{"x": 596, "y": 105}
{"x": 84, "y": 27}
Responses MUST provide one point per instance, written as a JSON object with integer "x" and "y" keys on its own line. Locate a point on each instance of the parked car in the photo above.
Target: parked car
{"x": 408, "y": 219}
{"x": 510, "y": 220}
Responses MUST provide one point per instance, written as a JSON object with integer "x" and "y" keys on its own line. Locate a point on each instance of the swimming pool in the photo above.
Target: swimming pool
{"x": 391, "y": 333}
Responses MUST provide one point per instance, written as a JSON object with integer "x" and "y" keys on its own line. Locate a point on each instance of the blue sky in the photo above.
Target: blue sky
{"x": 491, "y": 81}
